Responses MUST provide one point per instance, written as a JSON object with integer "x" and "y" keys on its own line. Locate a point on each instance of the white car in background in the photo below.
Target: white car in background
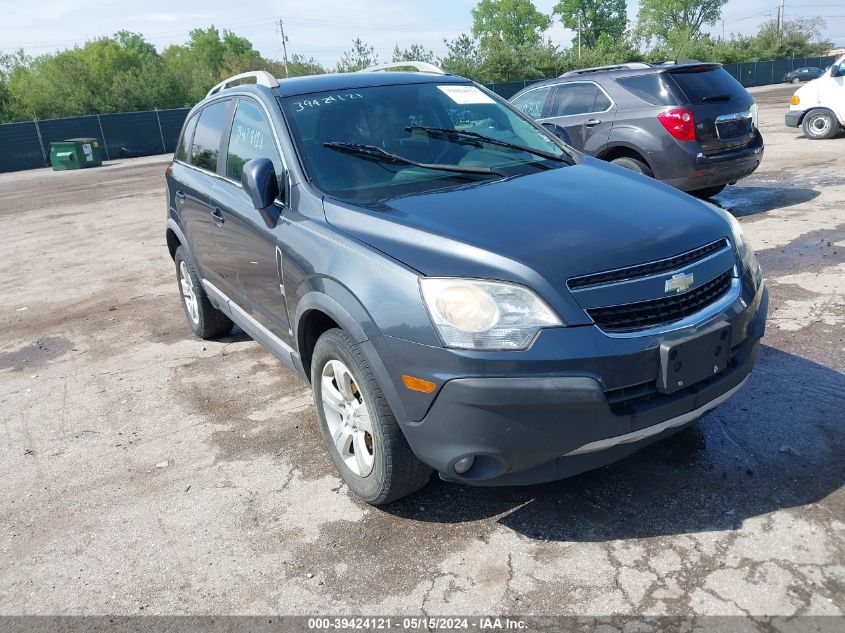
{"x": 818, "y": 107}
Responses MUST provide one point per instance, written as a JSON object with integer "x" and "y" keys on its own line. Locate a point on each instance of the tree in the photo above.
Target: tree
{"x": 677, "y": 21}
{"x": 514, "y": 23}
{"x": 359, "y": 57}
{"x": 299, "y": 65}
{"x": 414, "y": 53}
{"x": 463, "y": 58}
{"x": 597, "y": 17}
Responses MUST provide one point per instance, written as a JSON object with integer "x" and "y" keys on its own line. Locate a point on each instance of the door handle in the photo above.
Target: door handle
{"x": 180, "y": 196}
{"x": 592, "y": 122}
{"x": 217, "y": 216}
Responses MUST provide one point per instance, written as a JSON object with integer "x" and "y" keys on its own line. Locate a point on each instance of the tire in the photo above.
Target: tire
{"x": 707, "y": 192}
{"x": 204, "y": 319}
{"x": 370, "y": 453}
{"x": 634, "y": 165}
{"x": 796, "y": 80}
{"x": 820, "y": 125}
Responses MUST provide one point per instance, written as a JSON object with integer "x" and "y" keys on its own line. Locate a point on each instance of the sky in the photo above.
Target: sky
{"x": 322, "y": 29}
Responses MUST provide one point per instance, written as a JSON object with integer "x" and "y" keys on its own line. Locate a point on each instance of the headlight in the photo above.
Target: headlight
{"x": 754, "y": 110}
{"x": 485, "y": 315}
{"x": 744, "y": 252}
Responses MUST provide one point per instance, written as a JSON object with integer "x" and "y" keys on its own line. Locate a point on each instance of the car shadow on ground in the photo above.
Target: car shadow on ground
{"x": 779, "y": 443}
{"x": 748, "y": 200}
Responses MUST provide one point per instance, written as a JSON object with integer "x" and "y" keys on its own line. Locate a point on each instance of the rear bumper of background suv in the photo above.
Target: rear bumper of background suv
{"x": 525, "y": 424}
{"x": 688, "y": 169}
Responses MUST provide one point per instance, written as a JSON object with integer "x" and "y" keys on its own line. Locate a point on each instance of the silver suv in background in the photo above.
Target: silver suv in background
{"x": 691, "y": 125}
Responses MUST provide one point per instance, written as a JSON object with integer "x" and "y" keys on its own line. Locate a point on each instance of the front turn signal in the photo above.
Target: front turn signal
{"x": 795, "y": 100}
{"x": 418, "y": 384}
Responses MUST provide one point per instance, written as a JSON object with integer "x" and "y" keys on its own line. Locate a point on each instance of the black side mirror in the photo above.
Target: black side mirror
{"x": 558, "y": 131}
{"x": 259, "y": 180}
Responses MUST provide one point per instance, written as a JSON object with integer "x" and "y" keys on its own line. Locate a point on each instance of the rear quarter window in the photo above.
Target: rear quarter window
{"x": 698, "y": 85}
{"x": 206, "y": 142}
{"x": 185, "y": 139}
{"x": 651, "y": 88}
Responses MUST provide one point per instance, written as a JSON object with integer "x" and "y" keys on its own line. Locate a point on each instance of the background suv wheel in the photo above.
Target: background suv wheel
{"x": 363, "y": 437}
{"x": 634, "y": 165}
{"x": 205, "y": 320}
{"x": 708, "y": 192}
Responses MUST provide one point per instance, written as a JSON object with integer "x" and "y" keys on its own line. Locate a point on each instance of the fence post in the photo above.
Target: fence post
{"x": 103, "y": 135}
{"x": 161, "y": 134}
{"x": 40, "y": 140}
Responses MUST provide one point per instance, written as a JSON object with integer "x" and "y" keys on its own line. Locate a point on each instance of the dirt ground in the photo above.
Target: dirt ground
{"x": 145, "y": 471}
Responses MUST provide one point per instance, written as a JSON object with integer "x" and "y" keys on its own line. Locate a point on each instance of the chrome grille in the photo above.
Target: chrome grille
{"x": 633, "y": 317}
{"x": 646, "y": 270}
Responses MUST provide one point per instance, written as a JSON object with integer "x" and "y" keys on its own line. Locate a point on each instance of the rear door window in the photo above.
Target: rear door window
{"x": 251, "y": 137}
{"x": 185, "y": 139}
{"x": 651, "y": 88}
{"x": 579, "y": 98}
{"x": 531, "y": 103}
{"x": 700, "y": 86}
{"x": 206, "y": 144}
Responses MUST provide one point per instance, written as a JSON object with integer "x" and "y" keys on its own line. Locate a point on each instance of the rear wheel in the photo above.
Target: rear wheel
{"x": 634, "y": 165}
{"x": 205, "y": 320}
{"x": 820, "y": 124}
{"x": 707, "y": 192}
{"x": 363, "y": 437}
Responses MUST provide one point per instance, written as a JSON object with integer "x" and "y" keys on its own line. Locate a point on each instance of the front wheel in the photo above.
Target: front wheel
{"x": 820, "y": 124}
{"x": 363, "y": 437}
{"x": 796, "y": 80}
{"x": 707, "y": 192}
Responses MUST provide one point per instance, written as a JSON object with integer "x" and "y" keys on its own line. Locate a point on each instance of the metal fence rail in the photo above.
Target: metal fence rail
{"x": 749, "y": 74}
{"x": 123, "y": 134}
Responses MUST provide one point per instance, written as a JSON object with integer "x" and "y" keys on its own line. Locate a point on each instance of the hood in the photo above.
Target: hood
{"x": 538, "y": 229}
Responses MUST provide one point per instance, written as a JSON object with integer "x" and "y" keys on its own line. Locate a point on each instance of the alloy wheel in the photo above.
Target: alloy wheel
{"x": 189, "y": 295}
{"x": 348, "y": 418}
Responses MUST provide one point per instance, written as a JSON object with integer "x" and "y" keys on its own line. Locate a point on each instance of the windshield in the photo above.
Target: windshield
{"x": 393, "y": 118}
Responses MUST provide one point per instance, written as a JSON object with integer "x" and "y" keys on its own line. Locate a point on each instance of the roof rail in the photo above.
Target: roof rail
{"x": 420, "y": 67}
{"x": 262, "y": 78}
{"x": 598, "y": 69}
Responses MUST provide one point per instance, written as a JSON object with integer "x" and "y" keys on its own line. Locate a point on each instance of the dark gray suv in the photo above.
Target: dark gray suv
{"x": 464, "y": 293}
{"x": 690, "y": 125}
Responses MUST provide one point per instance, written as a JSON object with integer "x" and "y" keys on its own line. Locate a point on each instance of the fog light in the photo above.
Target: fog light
{"x": 464, "y": 464}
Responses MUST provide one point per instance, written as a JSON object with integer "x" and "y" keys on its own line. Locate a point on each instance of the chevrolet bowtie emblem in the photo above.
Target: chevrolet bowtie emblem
{"x": 679, "y": 283}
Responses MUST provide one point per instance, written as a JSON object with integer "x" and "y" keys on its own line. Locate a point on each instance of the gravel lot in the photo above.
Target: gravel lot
{"x": 146, "y": 471}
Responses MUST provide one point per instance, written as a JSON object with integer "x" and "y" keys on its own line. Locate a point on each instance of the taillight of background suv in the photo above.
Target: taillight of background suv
{"x": 679, "y": 122}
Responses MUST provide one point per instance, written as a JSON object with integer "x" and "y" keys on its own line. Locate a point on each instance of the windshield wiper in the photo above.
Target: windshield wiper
{"x": 719, "y": 97}
{"x": 377, "y": 154}
{"x": 458, "y": 135}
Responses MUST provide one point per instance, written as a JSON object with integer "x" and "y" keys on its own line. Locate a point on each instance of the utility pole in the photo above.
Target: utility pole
{"x": 579, "y": 37}
{"x": 284, "y": 44}
{"x": 781, "y": 18}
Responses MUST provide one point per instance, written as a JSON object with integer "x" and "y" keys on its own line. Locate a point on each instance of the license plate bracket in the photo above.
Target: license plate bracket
{"x": 687, "y": 361}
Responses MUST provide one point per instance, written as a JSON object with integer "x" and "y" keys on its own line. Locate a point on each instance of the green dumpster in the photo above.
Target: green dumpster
{"x": 75, "y": 153}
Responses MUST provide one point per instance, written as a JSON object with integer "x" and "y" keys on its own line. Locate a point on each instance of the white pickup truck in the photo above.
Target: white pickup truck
{"x": 818, "y": 107}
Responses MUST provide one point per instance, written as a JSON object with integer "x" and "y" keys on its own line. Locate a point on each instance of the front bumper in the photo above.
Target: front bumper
{"x": 793, "y": 118}
{"x": 541, "y": 421}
